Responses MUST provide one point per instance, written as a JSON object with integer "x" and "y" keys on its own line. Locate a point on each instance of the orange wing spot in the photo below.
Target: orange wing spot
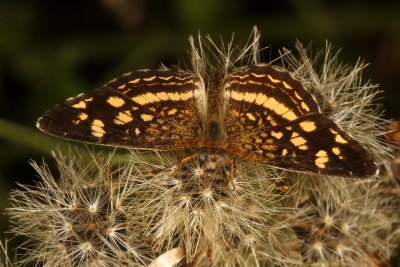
{"x": 270, "y": 155}
{"x": 322, "y": 158}
{"x": 187, "y": 95}
{"x": 81, "y": 104}
{"x": 269, "y": 147}
{"x": 279, "y": 108}
{"x": 340, "y": 139}
{"x": 123, "y": 118}
{"x": 287, "y": 86}
{"x": 121, "y": 87}
{"x": 115, "y": 101}
{"x": 97, "y": 128}
{"x": 308, "y": 126}
{"x": 179, "y": 78}
{"x": 289, "y": 116}
{"x": 273, "y": 80}
{"x": 146, "y": 117}
{"x": 260, "y": 99}
{"x": 297, "y": 96}
{"x": 127, "y": 91}
{"x": 238, "y": 82}
{"x": 151, "y": 98}
{"x": 149, "y": 79}
{"x": 271, "y": 121}
{"x": 147, "y": 98}
{"x": 248, "y": 147}
{"x": 336, "y": 151}
{"x": 174, "y": 96}
{"x": 277, "y": 135}
{"x": 275, "y": 106}
{"x": 162, "y": 95}
{"x": 250, "y": 116}
{"x": 305, "y": 107}
{"x": 254, "y": 82}
{"x": 137, "y": 131}
{"x": 172, "y": 111}
{"x": 188, "y": 82}
{"x": 249, "y": 97}
{"x": 235, "y": 113}
{"x": 258, "y": 75}
{"x": 98, "y": 133}
{"x": 269, "y": 141}
{"x": 237, "y": 95}
{"x": 83, "y": 116}
{"x": 134, "y": 81}
{"x": 166, "y": 78}
{"x": 297, "y": 140}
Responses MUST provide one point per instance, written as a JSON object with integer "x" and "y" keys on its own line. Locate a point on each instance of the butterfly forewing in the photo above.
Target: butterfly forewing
{"x": 143, "y": 109}
{"x": 271, "y": 119}
{"x": 266, "y": 95}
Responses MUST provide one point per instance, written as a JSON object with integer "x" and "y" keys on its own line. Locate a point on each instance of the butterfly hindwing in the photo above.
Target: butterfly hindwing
{"x": 310, "y": 144}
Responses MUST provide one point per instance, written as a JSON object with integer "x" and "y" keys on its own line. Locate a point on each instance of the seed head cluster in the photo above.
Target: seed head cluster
{"x": 80, "y": 219}
{"x": 181, "y": 209}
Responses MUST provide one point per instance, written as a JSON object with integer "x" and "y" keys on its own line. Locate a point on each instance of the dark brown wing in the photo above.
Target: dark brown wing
{"x": 271, "y": 119}
{"x": 152, "y": 109}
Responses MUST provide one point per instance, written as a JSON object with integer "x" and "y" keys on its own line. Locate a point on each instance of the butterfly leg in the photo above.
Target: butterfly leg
{"x": 183, "y": 161}
{"x": 281, "y": 185}
{"x": 176, "y": 168}
{"x": 231, "y": 161}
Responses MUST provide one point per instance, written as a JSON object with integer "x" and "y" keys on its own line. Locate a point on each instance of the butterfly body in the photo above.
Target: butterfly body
{"x": 257, "y": 113}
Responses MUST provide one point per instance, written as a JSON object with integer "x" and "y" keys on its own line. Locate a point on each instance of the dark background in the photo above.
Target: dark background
{"x": 51, "y": 50}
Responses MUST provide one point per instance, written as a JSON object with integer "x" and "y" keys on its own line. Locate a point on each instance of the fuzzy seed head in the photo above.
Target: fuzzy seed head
{"x": 204, "y": 214}
{"x": 73, "y": 220}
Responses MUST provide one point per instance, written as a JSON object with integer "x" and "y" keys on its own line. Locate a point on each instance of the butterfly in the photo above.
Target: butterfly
{"x": 258, "y": 113}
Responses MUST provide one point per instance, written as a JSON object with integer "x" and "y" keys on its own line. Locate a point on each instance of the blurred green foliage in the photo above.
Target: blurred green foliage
{"x": 51, "y": 50}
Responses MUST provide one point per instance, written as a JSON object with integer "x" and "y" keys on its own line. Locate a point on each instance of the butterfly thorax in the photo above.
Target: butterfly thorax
{"x": 213, "y": 123}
